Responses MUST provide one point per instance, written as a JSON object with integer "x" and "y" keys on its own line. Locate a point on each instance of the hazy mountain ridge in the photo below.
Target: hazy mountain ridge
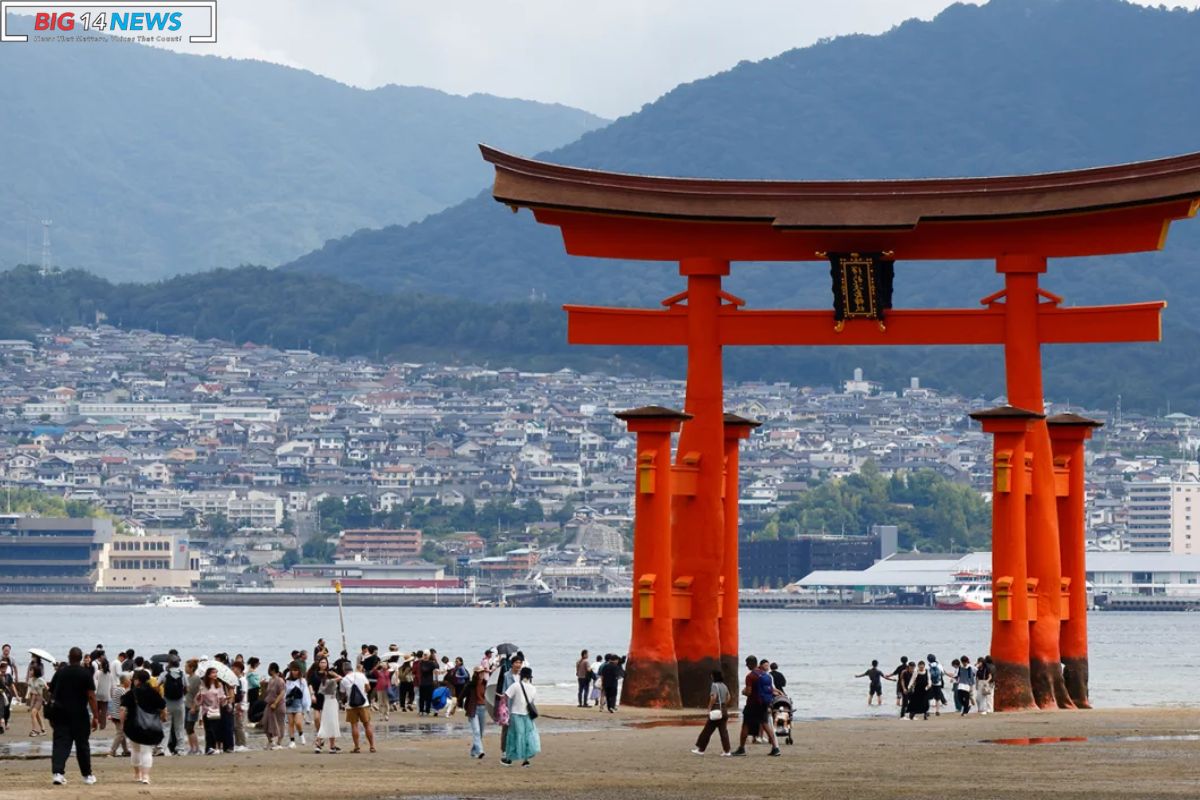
{"x": 152, "y": 162}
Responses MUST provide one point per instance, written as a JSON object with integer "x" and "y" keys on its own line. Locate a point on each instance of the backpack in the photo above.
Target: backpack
{"x": 357, "y": 698}
{"x": 935, "y": 675}
{"x": 766, "y": 688}
{"x": 173, "y": 688}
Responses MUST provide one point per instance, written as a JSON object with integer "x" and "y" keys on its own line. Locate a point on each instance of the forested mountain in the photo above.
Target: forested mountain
{"x": 151, "y": 162}
{"x": 1014, "y": 86}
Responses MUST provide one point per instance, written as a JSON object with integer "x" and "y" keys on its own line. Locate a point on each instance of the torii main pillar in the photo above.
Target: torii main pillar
{"x": 698, "y": 521}
{"x": 1023, "y": 374}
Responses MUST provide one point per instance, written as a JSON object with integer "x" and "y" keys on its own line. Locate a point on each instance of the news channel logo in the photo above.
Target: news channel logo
{"x": 192, "y": 21}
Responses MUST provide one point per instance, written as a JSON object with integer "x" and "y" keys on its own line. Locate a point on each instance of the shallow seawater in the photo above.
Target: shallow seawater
{"x": 820, "y": 651}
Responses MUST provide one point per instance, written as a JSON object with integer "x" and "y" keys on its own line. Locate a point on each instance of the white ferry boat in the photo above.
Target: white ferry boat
{"x": 175, "y": 601}
{"x": 971, "y": 591}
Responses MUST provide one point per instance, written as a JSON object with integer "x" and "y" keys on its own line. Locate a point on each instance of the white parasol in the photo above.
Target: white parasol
{"x": 43, "y": 655}
{"x": 224, "y": 674}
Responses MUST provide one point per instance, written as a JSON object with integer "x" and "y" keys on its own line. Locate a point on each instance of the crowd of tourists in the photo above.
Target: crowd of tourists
{"x": 599, "y": 682}
{"x": 766, "y": 709}
{"x": 921, "y": 686}
{"x": 167, "y": 705}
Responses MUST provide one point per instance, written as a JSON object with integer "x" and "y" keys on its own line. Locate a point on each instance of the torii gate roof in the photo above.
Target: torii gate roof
{"x": 1114, "y": 209}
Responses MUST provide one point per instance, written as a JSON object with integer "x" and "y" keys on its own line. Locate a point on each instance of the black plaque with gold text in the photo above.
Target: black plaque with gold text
{"x": 862, "y": 285}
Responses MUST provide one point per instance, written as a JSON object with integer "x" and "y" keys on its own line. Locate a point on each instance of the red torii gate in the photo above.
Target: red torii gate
{"x": 1018, "y": 221}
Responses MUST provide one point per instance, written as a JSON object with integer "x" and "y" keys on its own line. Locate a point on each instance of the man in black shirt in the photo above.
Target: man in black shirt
{"x": 426, "y": 668}
{"x": 777, "y": 677}
{"x": 73, "y": 689}
{"x": 897, "y": 675}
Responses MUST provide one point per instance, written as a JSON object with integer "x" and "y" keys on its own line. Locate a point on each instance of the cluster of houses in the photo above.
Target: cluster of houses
{"x": 169, "y": 432}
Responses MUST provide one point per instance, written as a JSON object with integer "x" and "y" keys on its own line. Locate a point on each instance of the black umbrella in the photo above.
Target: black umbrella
{"x": 161, "y": 658}
{"x": 507, "y": 649}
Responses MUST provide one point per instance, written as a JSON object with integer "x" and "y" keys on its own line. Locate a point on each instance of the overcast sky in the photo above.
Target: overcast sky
{"x": 609, "y": 57}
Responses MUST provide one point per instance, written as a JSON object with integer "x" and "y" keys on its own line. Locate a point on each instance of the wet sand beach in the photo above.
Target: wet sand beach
{"x": 1128, "y": 754}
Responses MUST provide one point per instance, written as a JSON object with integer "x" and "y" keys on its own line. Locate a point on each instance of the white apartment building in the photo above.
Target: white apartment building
{"x": 253, "y": 509}
{"x": 1160, "y": 516}
{"x": 141, "y": 412}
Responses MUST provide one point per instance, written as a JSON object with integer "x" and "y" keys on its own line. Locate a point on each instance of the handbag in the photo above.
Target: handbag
{"x": 715, "y": 714}
{"x": 144, "y": 727}
{"x": 529, "y": 706}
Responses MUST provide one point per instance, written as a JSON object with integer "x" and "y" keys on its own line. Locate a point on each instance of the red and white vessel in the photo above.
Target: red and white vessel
{"x": 971, "y": 591}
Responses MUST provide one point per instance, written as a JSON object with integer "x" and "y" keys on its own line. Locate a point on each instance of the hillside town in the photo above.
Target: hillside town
{"x": 223, "y": 459}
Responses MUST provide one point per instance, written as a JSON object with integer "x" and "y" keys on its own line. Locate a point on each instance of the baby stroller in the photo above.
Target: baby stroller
{"x": 781, "y": 718}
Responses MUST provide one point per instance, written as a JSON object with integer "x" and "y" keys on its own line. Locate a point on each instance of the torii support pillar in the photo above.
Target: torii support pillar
{"x": 1010, "y": 428}
{"x": 1023, "y": 375}
{"x": 736, "y": 429}
{"x": 1068, "y": 432}
{"x": 651, "y": 674}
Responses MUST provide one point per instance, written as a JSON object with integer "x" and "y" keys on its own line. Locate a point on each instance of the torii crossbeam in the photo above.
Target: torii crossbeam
{"x": 704, "y": 225}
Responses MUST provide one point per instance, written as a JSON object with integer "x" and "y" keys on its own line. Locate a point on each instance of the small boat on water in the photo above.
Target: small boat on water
{"x": 175, "y": 601}
{"x": 971, "y": 591}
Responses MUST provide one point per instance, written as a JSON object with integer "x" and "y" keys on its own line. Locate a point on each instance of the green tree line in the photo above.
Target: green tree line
{"x": 931, "y": 512}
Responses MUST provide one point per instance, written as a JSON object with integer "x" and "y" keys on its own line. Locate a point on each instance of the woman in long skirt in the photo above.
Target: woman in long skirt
{"x": 523, "y": 742}
{"x": 918, "y": 692}
{"x": 274, "y": 715}
{"x": 330, "y": 725}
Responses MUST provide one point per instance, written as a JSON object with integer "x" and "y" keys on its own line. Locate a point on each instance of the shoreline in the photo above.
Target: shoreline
{"x": 637, "y": 753}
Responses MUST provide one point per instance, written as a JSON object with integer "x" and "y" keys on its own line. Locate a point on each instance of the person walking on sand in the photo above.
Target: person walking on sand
{"x": 425, "y": 671}
{"x": 35, "y": 696}
{"x": 952, "y": 675}
{"x": 985, "y": 683}
{"x": 297, "y": 702}
{"x": 275, "y": 714}
{"x": 459, "y": 678}
{"x": 143, "y": 738}
{"x": 964, "y": 684}
{"x": 937, "y": 681}
{"x": 918, "y": 692}
{"x": 73, "y": 690}
{"x": 104, "y": 681}
{"x": 523, "y": 741}
{"x": 476, "y": 708}
{"x": 211, "y": 698}
{"x": 120, "y": 685}
{"x": 505, "y": 681}
{"x": 718, "y": 716}
{"x": 194, "y": 683}
{"x": 759, "y": 691}
{"x": 583, "y": 674}
{"x": 358, "y": 708}
{"x": 241, "y": 707}
{"x": 897, "y": 675}
{"x": 330, "y": 726}
{"x": 404, "y": 676}
{"x": 174, "y": 692}
{"x": 610, "y": 677}
{"x": 383, "y": 688}
{"x": 905, "y": 679}
{"x": 876, "y": 688}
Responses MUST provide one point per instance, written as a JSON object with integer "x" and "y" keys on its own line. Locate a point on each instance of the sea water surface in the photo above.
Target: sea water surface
{"x": 1141, "y": 659}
